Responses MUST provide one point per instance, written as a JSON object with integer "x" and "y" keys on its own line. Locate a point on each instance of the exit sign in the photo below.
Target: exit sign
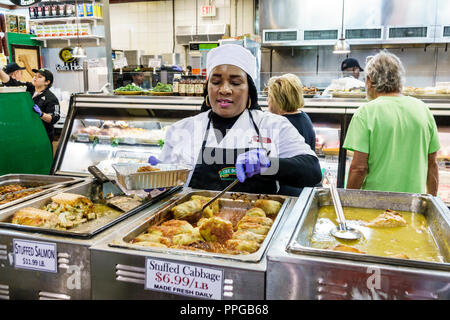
{"x": 208, "y": 11}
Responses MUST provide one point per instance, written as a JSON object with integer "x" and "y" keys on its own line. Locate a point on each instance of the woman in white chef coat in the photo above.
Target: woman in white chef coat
{"x": 234, "y": 138}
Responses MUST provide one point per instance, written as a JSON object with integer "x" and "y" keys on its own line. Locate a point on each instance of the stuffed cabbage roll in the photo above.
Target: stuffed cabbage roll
{"x": 270, "y": 207}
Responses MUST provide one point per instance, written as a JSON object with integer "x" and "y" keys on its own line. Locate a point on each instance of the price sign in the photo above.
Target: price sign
{"x": 183, "y": 279}
{"x": 35, "y": 255}
{"x": 104, "y": 139}
{"x": 129, "y": 140}
{"x": 83, "y": 137}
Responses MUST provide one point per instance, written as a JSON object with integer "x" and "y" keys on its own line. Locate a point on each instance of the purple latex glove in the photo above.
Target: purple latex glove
{"x": 153, "y": 161}
{"x": 37, "y": 110}
{"x": 251, "y": 163}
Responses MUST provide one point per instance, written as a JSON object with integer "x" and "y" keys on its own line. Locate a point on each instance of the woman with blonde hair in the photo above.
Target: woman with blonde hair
{"x": 285, "y": 97}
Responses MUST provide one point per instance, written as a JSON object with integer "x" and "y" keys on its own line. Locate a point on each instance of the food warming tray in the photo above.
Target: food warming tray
{"x": 85, "y": 230}
{"x": 31, "y": 180}
{"x": 121, "y": 267}
{"x": 169, "y": 175}
{"x": 326, "y": 274}
{"x": 230, "y": 200}
{"x": 437, "y": 221}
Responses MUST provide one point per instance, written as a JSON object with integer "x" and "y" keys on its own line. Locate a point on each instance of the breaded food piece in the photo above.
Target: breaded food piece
{"x": 152, "y": 237}
{"x": 259, "y": 220}
{"x": 345, "y": 248}
{"x": 188, "y": 237}
{"x": 254, "y": 227}
{"x": 249, "y": 236}
{"x": 255, "y": 212}
{"x": 35, "y": 217}
{"x": 270, "y": 207}
{"x": 186, "y": 209}
{"x": 388, "y": 219}
{"x": 249, "y": 246}
{"x": 72, "y": 199}
{"x": 216, "y": 229}
{"x": 171, "y": 228}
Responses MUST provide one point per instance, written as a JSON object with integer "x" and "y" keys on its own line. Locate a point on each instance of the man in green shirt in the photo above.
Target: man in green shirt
{"x": 394, "y": 137}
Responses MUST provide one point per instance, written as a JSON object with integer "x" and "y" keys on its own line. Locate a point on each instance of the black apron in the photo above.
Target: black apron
{"x": 217, "y": 176}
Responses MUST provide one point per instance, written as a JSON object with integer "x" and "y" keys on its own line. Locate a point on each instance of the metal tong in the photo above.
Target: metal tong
{"x": 193, "y": 218}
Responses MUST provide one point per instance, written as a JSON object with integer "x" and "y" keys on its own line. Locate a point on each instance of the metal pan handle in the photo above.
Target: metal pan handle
{"x": 98, "y": 174}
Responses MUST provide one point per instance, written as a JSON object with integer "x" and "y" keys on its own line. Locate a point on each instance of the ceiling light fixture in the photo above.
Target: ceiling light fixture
{"x": 78, "y": 51}
{"x": 341, "y": 46}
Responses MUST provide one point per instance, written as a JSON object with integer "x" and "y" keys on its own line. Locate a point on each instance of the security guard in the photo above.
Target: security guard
{"x": 45, "y": 102}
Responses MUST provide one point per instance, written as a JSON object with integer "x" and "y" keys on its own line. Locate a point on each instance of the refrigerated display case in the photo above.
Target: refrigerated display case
{"x": 102, "y": 130}
{"x": 330, "y": 118}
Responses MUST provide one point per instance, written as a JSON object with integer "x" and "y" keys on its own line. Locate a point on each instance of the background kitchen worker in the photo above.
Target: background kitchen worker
{"x": 350, "y": 69}
{"x": 46, "y": 105}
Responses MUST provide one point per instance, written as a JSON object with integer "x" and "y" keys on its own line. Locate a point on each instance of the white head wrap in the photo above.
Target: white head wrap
{"x": 231, "y": 54}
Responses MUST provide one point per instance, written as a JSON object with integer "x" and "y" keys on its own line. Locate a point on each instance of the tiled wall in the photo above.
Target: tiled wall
{"x": 148, "y": 25}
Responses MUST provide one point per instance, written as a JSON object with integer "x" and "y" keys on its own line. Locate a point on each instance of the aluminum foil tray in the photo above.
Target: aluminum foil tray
{"x": 169, "y": 175}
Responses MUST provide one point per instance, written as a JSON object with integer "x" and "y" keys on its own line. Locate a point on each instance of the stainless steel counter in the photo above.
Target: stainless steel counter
{"x": 72, "y": 279}
{"x": 120, "y": 272}
{"x": 326, "y": 274}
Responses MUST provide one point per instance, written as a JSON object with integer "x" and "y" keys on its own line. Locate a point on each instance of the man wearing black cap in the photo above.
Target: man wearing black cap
{"x": 350, "y": 73}
{"x": 14, "y": 70}
{"x": 46, "y": 105}
{"x": 351, "y": 68}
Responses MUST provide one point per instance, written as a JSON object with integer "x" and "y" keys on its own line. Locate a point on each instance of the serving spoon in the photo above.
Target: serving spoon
{"x": 342, "y": 231}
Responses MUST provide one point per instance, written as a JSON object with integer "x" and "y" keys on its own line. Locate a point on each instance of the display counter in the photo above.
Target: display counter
{"x": 151, "y": 115}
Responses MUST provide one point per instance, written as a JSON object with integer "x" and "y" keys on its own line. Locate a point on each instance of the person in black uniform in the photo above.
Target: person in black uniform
{"x": 46, "y": 105}
{"x": 285, "y": 97}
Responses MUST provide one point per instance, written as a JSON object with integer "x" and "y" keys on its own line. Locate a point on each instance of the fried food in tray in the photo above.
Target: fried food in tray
{"x": 65, "y": 211}
{"x": 213, "y": 232}
{"x": 8, "y": 191}
{"x": 147, "y": 169}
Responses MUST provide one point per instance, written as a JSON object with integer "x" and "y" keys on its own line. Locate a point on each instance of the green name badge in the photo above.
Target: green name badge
{"x": 226, "y": 173}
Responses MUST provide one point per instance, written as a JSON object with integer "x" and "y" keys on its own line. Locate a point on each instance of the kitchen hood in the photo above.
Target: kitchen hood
{"x": 207, "y": 32}
{"x": 293, "y": 23}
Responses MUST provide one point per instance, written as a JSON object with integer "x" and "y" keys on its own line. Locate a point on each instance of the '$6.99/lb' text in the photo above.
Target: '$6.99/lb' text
{"x": 180, "y": 281}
